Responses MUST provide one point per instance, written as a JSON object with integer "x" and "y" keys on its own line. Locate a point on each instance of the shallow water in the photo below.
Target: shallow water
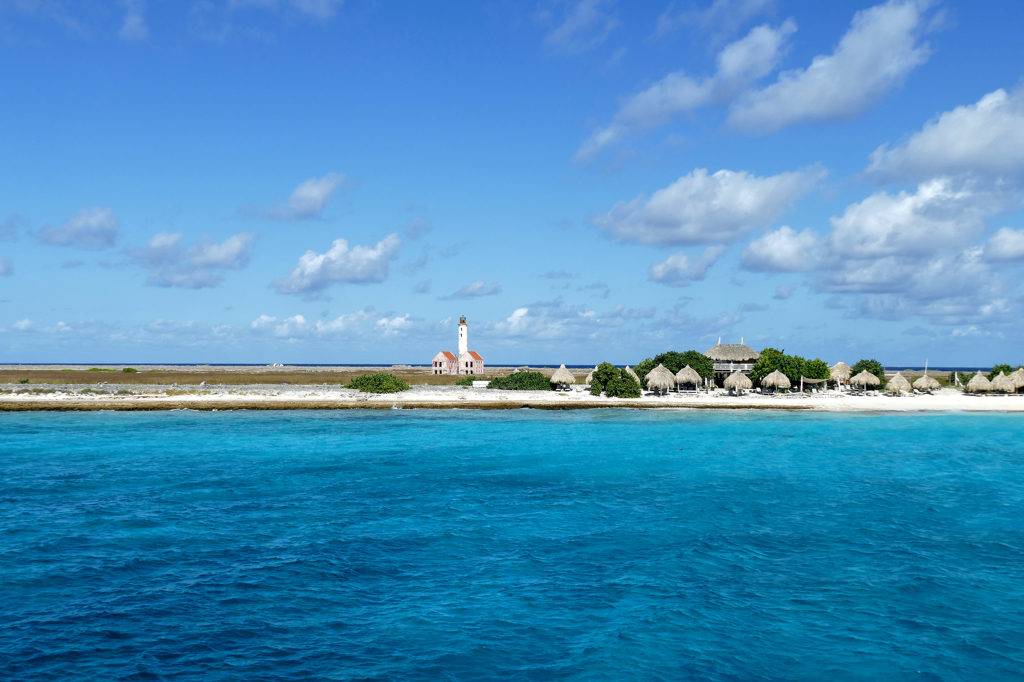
{"x": 518, "y": 545}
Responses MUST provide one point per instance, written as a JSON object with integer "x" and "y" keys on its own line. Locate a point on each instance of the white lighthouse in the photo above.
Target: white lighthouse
{"x": 466, "y": 362}
{"x": 463, "y": 336}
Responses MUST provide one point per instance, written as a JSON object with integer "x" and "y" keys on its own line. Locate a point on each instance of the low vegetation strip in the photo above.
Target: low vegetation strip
{"x": 522, "y": 381}
{"x": 382, "y": 382}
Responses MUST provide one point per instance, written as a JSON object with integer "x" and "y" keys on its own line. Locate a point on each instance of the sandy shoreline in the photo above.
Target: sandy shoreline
{"x": 18, "y": 398}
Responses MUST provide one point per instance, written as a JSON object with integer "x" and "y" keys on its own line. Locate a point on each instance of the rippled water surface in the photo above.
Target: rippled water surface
{"x": 523, "y": 545}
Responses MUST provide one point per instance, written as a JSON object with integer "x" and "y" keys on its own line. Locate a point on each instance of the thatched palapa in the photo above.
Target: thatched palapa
{"x": 1003, "y": 383}
{"x": 898, "y": 384}
{"x": 738, "y": 381}
{"x": 636, "y": 377}
{"x": 840, "y": 372}
{"x": 1018, "y": 378}
{"x": 979, "y": 382}
{"x": 733, "y": 352}
{"x": 562, "y": 376}
{"x": 660, "y": 379}
{"x": 927, "y": 383}
{"x": 590, "y": 377}
{"x": 776, "y": 380}
{"x": 865, "y": 378}
{"x": 688, "y": 375}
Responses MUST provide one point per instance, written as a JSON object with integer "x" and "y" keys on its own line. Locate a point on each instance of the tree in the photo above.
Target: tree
{"x": 997, "y": 369}
{"x": 873, "y": 367}
{"x": 771, "y": 360}
{"x": 674, "y": 362}
{"x": 622, "y": 386}
{"x": 817, "y": 369}
{"x": 604, "y": 373}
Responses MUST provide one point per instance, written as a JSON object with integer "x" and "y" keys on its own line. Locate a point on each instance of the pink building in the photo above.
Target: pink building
{"x": 445, "y": 363}
{"x": 470, "y": 362}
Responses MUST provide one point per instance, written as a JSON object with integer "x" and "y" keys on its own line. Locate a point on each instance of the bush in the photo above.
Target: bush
{"x": 382, "y": 382}
{"x": 129, "y": 370}
{"x": 99, "y": 369}
{"x": 674, "y": 362}
{"x": 817, "y": 369}
{"x": 996, "y": 370}
{"x": 873, "y": 367}
{"x": 622, "y": 386}
{"x": 771, "y": 360}
{"x": 522, "y": 381}
{"x": 596, "y": 388}
{"x": 466, "y": 381}
{"x": 604, "y": 373}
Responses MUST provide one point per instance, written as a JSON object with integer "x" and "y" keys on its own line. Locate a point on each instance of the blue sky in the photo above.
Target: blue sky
{"x": 316, "y": 181}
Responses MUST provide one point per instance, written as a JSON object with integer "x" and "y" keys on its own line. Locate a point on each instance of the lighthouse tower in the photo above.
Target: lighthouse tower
{"x": 463, "y": 336}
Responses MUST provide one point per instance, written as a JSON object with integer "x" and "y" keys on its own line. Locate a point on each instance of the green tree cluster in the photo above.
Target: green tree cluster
{"x": 998, "y": 369}
{"x": 466, "y": 381}
{"x": 381, "y": 382}
{"x": 129, "y": 370}
{"x": 873, "y": 367}
{"x": 522, "y": 381}
{"x": 613, "y": 382}
{"x": 675, "y": 361}
{"x": 793, "y": 366}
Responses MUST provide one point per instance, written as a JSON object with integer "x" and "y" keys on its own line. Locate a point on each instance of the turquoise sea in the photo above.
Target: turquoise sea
{"x": 521, "y": 545}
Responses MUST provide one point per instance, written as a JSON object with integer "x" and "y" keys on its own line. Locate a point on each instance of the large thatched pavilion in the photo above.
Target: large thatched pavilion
{"x": 732, "y": 357}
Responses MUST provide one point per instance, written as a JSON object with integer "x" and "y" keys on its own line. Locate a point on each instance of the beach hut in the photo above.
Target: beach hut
{"x": 1018, "y": 378}
{"x": 865, "y": 379}
{"x": 927, "y": 383}
{"x": 562, "y": 377}
{"x": 898, "y": 384}
{"x": 636, "y": 377}
{"x": 1003, "y": 383}
{"x": 978, "y": 383}
{"x": 840, "y": 373}
{"x": 590, "y": 377}
{"x": 731, "y": 357}
{"x": 738, "y": 381}
{"x": 776, "y": 380}
{"x": 688, "y": 376}
{"x": 660, "y": 380}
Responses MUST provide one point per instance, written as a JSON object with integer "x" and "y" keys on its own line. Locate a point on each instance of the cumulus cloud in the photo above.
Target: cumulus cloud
{"x": 875, "y": 56}
{"x": 90, "y": 228}
{"x": 133, "y": 28}
{"x": 585, "y": 25}
{"x": 739, "y": 64}
{"x": 985, "y": 138}
{"x": 358, "y": 265}
{"x": 1005, "y": 245}
{"x": 783, "y": 250}
{"x": 700, "y": 209}
{"x": 395, "y": 326}
{"x": 172, "y": 265}
{"x": 679, "y": 270}
{"x": 474, "y": 290}
{"x": 308, "y": 200}
{"x": 6, "y": 267}
{"x": 298, "y": 326}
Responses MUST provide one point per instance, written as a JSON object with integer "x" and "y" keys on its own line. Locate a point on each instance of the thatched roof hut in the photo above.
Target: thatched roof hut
{"x": 776, "y": 380}
{"x": 562, "y": 376}
{"x": 688, "y": 375}
{"x": 732, "y": 352}
{"x": 865, "y": 378}
{"x": 898, "y": 384}
{"x": 979, "y": 382}
{"x": 636, "y": 377}
{"x": 1018, "y": 378}
{"x": 590, "y": 377}
{"x": 738, "y": 380}
{"x": 660, "y": 379}
{"x": 926, "y": 383}
{"x": 840, "y": 372}
{"x": 1003, "y": 383}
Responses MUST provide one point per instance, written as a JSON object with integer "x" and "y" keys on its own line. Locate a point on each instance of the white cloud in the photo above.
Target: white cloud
{"x": 875, "y": 56}
{"x": 474, "y": 290}
{"x": 586, "y": 25}
{"x": 702, "y": 209}
{"x": 679, "y": 269}
{"x": 987, "y": 137}
{"x": 90, "y": 228}
{"x": 308, "y": 200}
{"x": 133, "y": 28}
{"x": 358, "y": 265}
{"x": 783, "y": 250}
{"x": 203, "y": 265}
{"x": 739, "y": 64}
{"x": 23, "y": 325}
{"x": 298, "y": 326}
{"x": 724, "y": 15}
{"x": 1005, "y": 245}
{"x": 6, "y": 267}
{"x": 395, "y": 326}
{"x": 321, "y": 10}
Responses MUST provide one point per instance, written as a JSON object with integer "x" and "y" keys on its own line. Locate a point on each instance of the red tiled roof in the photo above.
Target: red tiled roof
{"x": 476, "y": 356}
{"x": 448, "y": 355}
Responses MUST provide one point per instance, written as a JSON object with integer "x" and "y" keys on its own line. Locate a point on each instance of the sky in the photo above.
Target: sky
{"x": 336, "y": 182}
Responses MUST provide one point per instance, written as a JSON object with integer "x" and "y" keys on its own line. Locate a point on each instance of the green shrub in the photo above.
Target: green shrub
{"x": 22, "y": 381}
{"x": 674, "y": 362}
{"x": 996, "y": 370}
{"x": 465, "y": 381}
{"x": 873, "y": 367}
{"x": 622, "y": 386}
{"x": 817, "y": 369}
{"x": 98, "y": 369}
{"x": 382, "y": 382}
{"x": 129, "y": 370}
{"x": 522, "y": 381}
{"x": 793, "y": 366}
{"x": 596, "y": 388}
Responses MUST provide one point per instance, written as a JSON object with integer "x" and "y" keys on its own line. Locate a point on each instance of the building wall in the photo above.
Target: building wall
{"x": 441, "y": 364}
{"x": 470, "y": 365}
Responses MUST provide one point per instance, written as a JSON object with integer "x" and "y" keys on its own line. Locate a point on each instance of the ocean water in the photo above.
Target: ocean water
{"x": 523, "y": 545}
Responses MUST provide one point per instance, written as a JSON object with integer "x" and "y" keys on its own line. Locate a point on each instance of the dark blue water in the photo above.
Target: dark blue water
{"x": 605, "y": 545}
